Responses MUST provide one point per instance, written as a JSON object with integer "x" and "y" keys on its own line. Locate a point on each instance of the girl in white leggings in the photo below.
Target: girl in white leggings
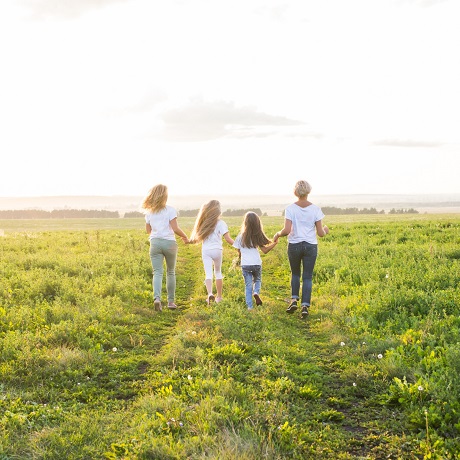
{"x": 209, "y": 230}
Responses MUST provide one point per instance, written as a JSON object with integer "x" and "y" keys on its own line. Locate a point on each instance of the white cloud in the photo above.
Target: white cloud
{"x": 201, "y": 121}
{"x": 64, "y": 9}
{"x": 323, "y": 88}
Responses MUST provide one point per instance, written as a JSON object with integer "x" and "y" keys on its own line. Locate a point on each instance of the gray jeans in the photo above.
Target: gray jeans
{"x": 163, "y": 250}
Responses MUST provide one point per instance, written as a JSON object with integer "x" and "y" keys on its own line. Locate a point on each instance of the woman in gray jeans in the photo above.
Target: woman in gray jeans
{"x": 161, "y": 225}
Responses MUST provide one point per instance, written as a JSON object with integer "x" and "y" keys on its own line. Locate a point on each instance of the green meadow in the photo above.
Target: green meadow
{"x": 88, "y": 369}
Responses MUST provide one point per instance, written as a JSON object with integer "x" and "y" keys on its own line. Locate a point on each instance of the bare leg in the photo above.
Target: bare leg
{"x": 219, "y": 284}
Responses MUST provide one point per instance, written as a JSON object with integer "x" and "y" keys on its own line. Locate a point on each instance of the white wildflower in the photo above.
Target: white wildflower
{"x": 354, "y": 384}
{"x": 420, "y": 388}
{"x": 342, "y": 344}
{"x": 114, "y": 349}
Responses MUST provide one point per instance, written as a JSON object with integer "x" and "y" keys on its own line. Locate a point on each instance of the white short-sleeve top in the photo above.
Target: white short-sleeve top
{"x": 249, "y": 256}
{"x": 303, "y": 223}
{"x": 214, "y": 240}
{"x": 160, "y": 223}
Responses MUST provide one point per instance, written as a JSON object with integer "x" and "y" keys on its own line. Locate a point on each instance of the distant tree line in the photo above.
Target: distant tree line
{"x": 403, "y": 211}
{"x": 92, "y": 213}
{"x": 188, "y": 212}
{"x": 131, "y": 214}
{"x": 332, "y": 210}
{"x": 58, "y": 214}
{"x": 241, "y": 212}
{"x": 228, "y": 212}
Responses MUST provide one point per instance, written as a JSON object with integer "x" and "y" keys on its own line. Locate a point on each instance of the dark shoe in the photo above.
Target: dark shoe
{"x": 172, "y": 306}
{"x": 304, "y": 312}
{"x": 292, "y": 307}
{"x": 211, "y": 299}
{"x": 157, "y": 304}
{"x": 257, "y": 299}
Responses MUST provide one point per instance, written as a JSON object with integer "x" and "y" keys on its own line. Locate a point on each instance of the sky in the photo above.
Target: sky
{"x": 110, "y": 97}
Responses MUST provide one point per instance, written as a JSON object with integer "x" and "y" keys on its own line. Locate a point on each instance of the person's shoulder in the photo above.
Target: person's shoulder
{"x": 222, "y": 224}
{"x": 237, "y": 240}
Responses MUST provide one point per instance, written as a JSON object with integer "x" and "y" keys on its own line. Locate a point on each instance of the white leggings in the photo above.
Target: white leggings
{"x": 210, "y": 257}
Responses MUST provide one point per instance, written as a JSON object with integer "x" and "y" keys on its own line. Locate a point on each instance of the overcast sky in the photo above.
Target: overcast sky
{"x": 109, "y": 97}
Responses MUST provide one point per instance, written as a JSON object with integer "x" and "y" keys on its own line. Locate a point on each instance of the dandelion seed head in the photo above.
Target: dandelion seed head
{"x": 380, "y": 356}
{"x": 114, "y": 349}
{"x": 189, "y": 377}
{"x": 342, "y": 344}
{"x": 193, "y": 332}
{"x": 420, "y": 388}
{"x": 354, "y": 384}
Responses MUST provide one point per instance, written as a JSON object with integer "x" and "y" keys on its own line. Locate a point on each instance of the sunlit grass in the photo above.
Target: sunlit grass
{"x": 88, "y": 369}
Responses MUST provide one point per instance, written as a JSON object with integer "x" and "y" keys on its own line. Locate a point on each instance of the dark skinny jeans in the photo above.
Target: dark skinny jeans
{"x": 302, "y": 256}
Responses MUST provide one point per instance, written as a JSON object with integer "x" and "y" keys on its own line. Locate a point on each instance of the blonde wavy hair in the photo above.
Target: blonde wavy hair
{"x": 206, "y": 221}
{"x": 302, "y": 188}
{"x": 252, "y": 231}
{"x": 156, "y": 200}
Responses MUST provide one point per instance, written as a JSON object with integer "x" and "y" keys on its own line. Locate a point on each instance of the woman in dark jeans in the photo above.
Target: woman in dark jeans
{"x": 302, "y": 223}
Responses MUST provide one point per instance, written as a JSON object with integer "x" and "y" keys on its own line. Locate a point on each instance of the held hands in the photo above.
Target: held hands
{"x": 326, "y": 229}
{"x": 185, "y": 240}
{"x": 276, "y": 237}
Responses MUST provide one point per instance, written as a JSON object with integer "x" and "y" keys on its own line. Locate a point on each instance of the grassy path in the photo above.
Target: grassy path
{"x": 88, "y": 369}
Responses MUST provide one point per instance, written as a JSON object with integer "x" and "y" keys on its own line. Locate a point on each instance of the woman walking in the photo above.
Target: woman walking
{"x": 161, "y": 225}
{"x": 302, "y": 223}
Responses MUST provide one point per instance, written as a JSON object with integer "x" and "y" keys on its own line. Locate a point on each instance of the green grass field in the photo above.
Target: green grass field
{"x": 88, "y": 369}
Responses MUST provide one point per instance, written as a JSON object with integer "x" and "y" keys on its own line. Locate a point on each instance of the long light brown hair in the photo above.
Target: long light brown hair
{"x": 252, "y": 232}
{"x": 206, "y": 221}
{"x": 156, "y": 200}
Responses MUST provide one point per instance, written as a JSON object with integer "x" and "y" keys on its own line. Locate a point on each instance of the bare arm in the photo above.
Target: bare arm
{"x": 178, "y": 231}
{"x": 269, "y": 247}
{"x": 285, "y": 230}
{"x": 320, "y": 229}
{"x": 148, "y": 228}
{"x": 228, "y": 238}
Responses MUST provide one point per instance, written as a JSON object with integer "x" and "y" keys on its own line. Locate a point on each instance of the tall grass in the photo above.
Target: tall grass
{"x": 89, "y": 370}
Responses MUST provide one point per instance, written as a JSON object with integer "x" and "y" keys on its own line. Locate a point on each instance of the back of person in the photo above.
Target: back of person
{"x": 214, "y": 240}
{"x": 160, "y": 223}
{"x": 303, "y": 223}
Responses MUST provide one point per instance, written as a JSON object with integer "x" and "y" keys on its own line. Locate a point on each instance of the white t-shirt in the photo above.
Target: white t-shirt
{"x": 303, "y": 223}
{"x": 214, "y": 240}
{"x": 249, "y": 256}
{"x": 160, "y": 223}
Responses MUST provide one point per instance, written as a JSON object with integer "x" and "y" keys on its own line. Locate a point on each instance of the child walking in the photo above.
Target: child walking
{"x": 209, "y": 229}
{"x": 248, "y": 242}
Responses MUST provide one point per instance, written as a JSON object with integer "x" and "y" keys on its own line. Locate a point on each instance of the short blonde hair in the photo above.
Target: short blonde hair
{"x": 302, "y": 188}
{"x": 156, "y": 200}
